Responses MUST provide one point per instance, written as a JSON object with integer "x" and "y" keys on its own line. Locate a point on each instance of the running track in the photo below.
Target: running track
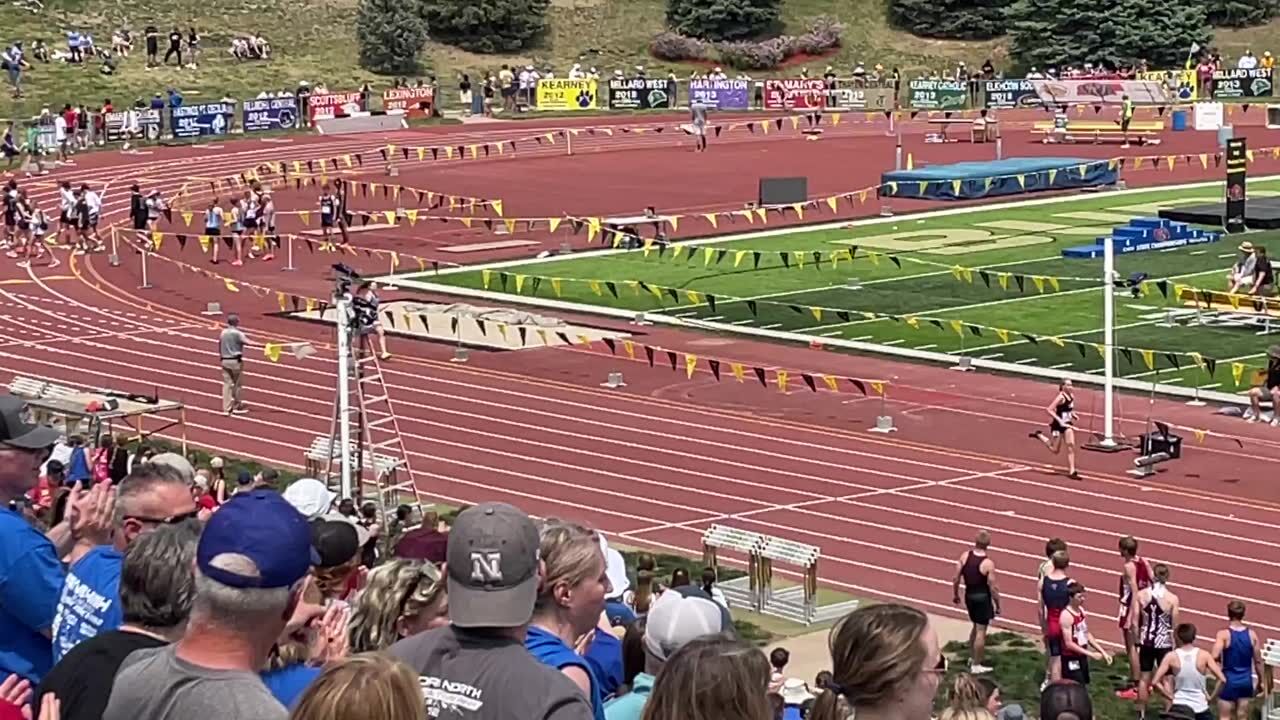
{"x": 659, "y": 462}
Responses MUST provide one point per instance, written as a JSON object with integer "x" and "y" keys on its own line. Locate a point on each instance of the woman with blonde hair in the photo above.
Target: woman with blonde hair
{"x": 885, "y": 665}
{"x": 967, "y": 700}
{"x": 570, "y": 605}
{"x": 363, "y": 687}
{"x": 714, "y": 677}
{"x": 402, "y": 598}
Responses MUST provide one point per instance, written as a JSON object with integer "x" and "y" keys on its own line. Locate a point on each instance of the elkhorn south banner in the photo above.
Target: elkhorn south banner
{"x": 1011, "y": 93}
{"x": 556, "y": 94}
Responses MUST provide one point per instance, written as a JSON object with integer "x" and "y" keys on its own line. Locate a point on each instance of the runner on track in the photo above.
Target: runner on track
{"x": 1135, "y": 576}
{"x": 67, "y": 228}
{"x": 698, "y": 125}
{"x": 1062, "y": 412}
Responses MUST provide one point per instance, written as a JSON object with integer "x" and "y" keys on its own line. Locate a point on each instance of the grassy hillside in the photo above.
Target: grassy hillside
{"x": 314, "y": 41}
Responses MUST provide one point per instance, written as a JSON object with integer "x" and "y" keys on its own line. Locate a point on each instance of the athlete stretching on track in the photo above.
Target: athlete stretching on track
{"x": 1062, "y": 412}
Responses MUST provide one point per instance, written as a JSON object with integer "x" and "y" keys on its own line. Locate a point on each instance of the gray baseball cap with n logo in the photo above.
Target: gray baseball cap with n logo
{"x": 493, "y": 561}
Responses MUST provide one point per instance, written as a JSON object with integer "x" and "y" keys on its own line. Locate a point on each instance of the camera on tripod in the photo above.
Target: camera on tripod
{"x": 363, "y": 314}
{"x": 344, "y": 276}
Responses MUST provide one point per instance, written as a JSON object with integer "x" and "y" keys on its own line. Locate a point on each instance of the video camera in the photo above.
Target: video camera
{"x": 363, "y": 312}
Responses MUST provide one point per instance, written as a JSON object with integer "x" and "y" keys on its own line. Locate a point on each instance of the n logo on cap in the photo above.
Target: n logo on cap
{"x": 486, "y": 567}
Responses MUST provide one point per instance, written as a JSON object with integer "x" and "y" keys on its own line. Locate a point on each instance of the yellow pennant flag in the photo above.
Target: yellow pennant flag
{"x": 466, "y": 222}
{"x": 595, "y": 287}
{"x": 676, "y": 250}
{"x": 497, "y": 207}
{"x": 764, "y": 216}
{"x": 475, "y": 151}
{"x": 553, "y": 223}
{"x": 707, "y": 254}
{"x": 1056, "y": 341}
{"x": 1237, "y": 372}
{"x": 694, "y": 296}
{"x": 520, "y": 283}
{"x": 831, "y": 202}
{"x": 737, "y": 370}
{"x": 584, "y": 340}
{"x": 1199, "y": 436}
{"x": 833, "y": 384}
{"x": 878, "y": 387}
{"x": 1003, "y": 279}
{"x": 799, "y": 210}
{"x": 912, "y": 321}
{"x": 231, "y": 287}
{"x": 555, "y": 285}
{"x": 157, "y": 238}
{"x": 486, "y": 276}
{"x": 629, "y": 348}
{"x": 422, "y": 154}
{"x": 690, "y": 364}
{"x": 738, "y": 256}
{"x": 674, "y": 221}
{"x": 204, "y": 243}
{"x": 186, "y": 218}
{"x": 310, "y": 304}
{"x": 955, "y": 187}
{"x": 412, "y": 214}
{"x": 1102, "y": 350}
{"x": 958, "y": 327}
{"x": 1039, "y": 283}
{"x": 782, "y": 380}
{"x": 1171, "y": 160}
{"x": 511, "y": 226}
{"x": 282, "y": 301}
{"x": 1204, "y": 161}
{"x": 391, "y": 217}
{"x": 711, "y": 218}
{"x": 799, "y": 258}
{"x": 1054, "y": 282}
{"x": 593, "y": 228}
{"x": 1052, "y": 174}
{"x": 305, "y": 215}
{"x": 1197, "y": 358}
{"x": 1149, "y": 358}
{"x": 817, "y": 313}
{"x": 1002, "y": 334}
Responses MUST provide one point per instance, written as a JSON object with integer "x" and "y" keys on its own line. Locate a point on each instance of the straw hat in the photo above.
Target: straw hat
{"x": 1246, "y": 247}
{"x": 795, "y": 692}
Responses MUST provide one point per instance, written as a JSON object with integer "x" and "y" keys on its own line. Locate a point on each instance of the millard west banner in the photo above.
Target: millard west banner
{"x": 190, "y": 121}
{"x": 331, "y": 105}
{"x": 1241, "y": 83}
{"x": 721, "y": 94}
{"x": 413, "y": 102}
{"x": 557, "y": 94}
{"x": 132, "y": 123}
{"x": 1084, "y": 92}
{"x": 1181, "y": 83}
{"x": 1010, "y": 93}
{"x": 795, "y": 94}
{"x": 937, "y": 94}
{"x": 860, "y": 99}
{"x": 277, "y": 113}
{"x": 641, "y": 93}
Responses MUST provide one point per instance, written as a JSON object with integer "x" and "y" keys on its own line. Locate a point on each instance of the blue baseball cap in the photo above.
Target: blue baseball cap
{"x": 262, "y": 526}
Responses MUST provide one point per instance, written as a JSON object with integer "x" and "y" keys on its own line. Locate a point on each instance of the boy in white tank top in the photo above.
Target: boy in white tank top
{"x": 1188, "y": 665}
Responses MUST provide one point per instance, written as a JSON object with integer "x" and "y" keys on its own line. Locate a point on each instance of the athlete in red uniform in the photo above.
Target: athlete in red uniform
{"x": 1135, "y": 575}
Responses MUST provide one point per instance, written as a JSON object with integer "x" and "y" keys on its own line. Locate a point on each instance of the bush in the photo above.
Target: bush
{"x": 823, "y": 36}
{"x": 487, "y": 26}
{"x": 1119, "y": 32}
{"x": 390, "y": 34}
{"x": 722, "y": 19}
{"x": 751, "y": 55}
{"x": 677, "y": 47}
{"x": 952, "y": 19}
{"x": 1238, "y": 13}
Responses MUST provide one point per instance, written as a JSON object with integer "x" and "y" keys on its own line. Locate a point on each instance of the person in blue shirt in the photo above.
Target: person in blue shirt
{"x": 89, "y": 604}
{"x": 31, "y": 574}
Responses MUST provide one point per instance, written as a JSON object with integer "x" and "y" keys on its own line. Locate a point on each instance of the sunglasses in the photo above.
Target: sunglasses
{"x": 171, "y": 520}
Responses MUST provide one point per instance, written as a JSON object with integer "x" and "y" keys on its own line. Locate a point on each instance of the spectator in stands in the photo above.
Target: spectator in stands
{"x": 310, "y": 497}
{"x": 795, "y": 695}
{"x": 633, "y": 658}
{"x": 570, "y": 604}
{"x": 298, "y": 658}
{"x": 712, "y": 677}
{"x": 615, "y": 606}
{"x": 427, "y": 542}
{"x": 680, "y": 577}
{"x": 677, "y": 618}
{"x": 152, "y": 35}
{"x": 1270, "y": 388}
{"x": 152, "y": 496}
{"x": 1243, "y": 271}
{"x": 1247, "y": 61}
{"x": 966, "y": 700}
{"x": 886, "y": 663}
{"x": 709, "y": 587}
{"x": 479, "y": 662}
{"x": 250, "y": 562}
{"x": 156, "y": 585}
{"x": 193, "y": 48}
{"x": 778, "y": 659}
{"x": 402, "y": 598}
{"x": 31, "y": 572}
{"x": 646, "y": 584}
{"x": 364, "y": 687}
{"x": 337, "y": 572}
{"x": 1264, "y": 279}
{"x": 14, "y": 62}
{"x": 1065, "y": 700}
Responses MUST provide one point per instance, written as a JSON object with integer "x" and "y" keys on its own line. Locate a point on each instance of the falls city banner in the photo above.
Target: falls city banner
{"x": 557, "y": 94}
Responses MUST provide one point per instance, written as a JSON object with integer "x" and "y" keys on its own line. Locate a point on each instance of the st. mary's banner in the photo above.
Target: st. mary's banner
{"x": 557, "y": 94}
{"x": 641, "y": 93}
{"x": 721, "y": 94}
{"x": 795, "y": 94}
{"x": 1242, "y": 83}
{"x": 937, "y": 94}
{"x": 189, "y": 121}
{"x": 1010, "y": 93}
{"x": 277, "y": 113}
{"x": 334, "y": 105}
{"x": 413, "y": 102}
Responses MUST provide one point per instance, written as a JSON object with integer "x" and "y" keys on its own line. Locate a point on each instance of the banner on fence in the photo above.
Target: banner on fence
{"x": 795, "y": 94}
{"x": 556, "y": 94}
{"x": 1180, "y": 83}
{"x": 641, "y": 93}
{"x": 1242, "y": 83}
{"x": 1237, "y": 170}
{"x": 128, "y": 124}
{"x": 860, "y": 98}
{"x": 938, "y": 94}
{"x": 332, "y": 105}
{"x": 277, "y": 113}
{"x": 413, "y": 102}
{"x": 1011, "y": 93}
{"x": 190, "y": 121}
{"x": 1084, "y": 92}
{"x": 721, "y": 94}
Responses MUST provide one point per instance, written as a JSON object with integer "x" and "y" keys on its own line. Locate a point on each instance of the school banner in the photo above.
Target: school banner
{"x": 937, "y": 94}
{"x": 557, "y": 94}
{"x": 1180, "y": 83}
{"x": 190, "y": 121}
{"x": 128, "y": 124}
{"x": 1237, "y": 169}
{"x": 1099, "y": 91}
{"x": 721, "y": 94}
{"x": 641, "y": 93}
{"x": 277, "y": 113}
{"x": 413, "y": 102}
{"x": 1242, "y": 83}
{"x": 334, "y": 105}
{"x": 795, "y": 94}
{"x": 874, "y": 98}
{"x": 1011, "y": 93}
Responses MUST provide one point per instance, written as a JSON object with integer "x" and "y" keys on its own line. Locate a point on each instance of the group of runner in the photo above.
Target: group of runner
{"x": 1159, "y": 643}
{"x": 251, "y": 221}
{"x": 27, "y": 225}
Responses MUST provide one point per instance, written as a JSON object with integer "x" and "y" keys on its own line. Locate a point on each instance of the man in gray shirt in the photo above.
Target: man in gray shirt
{"x": 477, "y": 668}
{"x": 231, "y": 353}
{"x": 698, "y": 116}
{"x": 250, "y": 563}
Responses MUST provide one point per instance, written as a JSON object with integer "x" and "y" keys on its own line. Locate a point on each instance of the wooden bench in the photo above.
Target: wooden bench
{"x": 1144, "y": 132}
{"x": 980, "y": 129}
{"x": 1271, "y": 659}
{"x": 33, "y": 388}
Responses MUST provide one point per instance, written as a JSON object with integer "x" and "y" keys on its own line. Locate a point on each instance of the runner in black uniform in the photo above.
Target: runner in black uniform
{"x": 1062, "y": 412}
{"x": 977, "y": 570}
{"x": 1158, "y": 616}
{"x": 328, "y": 213}
{"x": 139, "y": 214}
{"x": 10, "y": 212}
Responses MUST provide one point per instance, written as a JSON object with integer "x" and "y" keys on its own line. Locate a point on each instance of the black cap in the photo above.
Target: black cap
{"x": 1066, "y": 700}
{"x": 15, "y": 429}
{"x": 335, "y": 541}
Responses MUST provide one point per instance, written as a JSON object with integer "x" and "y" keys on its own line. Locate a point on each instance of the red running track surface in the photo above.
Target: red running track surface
{"x": 659, "y": 461}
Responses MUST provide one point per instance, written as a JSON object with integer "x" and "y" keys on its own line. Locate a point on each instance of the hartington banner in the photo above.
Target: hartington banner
{"x": 641, "y": 93}
{"x": 1103, "y": 91}
{"x": 721, "y": 94}
{"x": 938, "y": 94}
{"x": 1242, "y": 83}
{"x": 332, "y": 105}
{"x": 277, "y": 113}
{"x": 1010, "y": 93}
{"x": 414, "y": 102}
{"x": 795, "y": 94}
{"x": 557, "y": 94}
{"x": 874, "y": 98}
{"x": 190, "y": 121}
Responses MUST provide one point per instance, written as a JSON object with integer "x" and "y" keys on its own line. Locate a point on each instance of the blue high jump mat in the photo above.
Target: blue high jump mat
{"x": 1013, "y": 176}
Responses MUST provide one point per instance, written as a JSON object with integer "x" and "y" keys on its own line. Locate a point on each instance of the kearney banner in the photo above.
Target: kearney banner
{"x": 189, "y": 121}
{"x": 413, "y": 102}
{"x": 1242, "y": 83}
{"x": 1181, "y": 83}
{"x": 277, "y": 113}
{"x": 937, "y": 94}
{"x": 795, "y": 94}
{"x": 557, "y": 94}
{"x": 641, "y": 93}
{"x": 860, "y": 99}
{"x": 1092, "y": 91}
{"x": 1012, "y": 93}
{"x": 721, "y": 94}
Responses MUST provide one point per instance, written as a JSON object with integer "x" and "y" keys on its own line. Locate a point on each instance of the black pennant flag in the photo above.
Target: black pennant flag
{"x": 613, "y": 346}
{"x": 1162, "y": 427}
{"x": 672, "y": 357}
{"x": 786, "y": 260}
{"x": 453, "y": 324}
{"x": 751, "y": 307}
{"x": 1080, "y": 347}
{"x": 524, "y": 333}
{"x": 843, "y": 315}
{"x": 1128, "y": 354}
{"x": 425, "y": 319}
{"x": 796, "y": 309}
{"x": 484, "y": 330}
{"x": 675, "y": 294}
{"x": 894, "y": 259}
{"x": 711, "y": 302}
{"x": 720, "y": 255}
{"x": 808, "y": 380}
{"x": 391, "y": 319}
{"x": 613, "y": 289}
{"x": 760, "y": 376}
{"x": 564, "y": 338}
{"x": 1173, "y": 360}
{"x": 182, "y": 242}
{"x": 1211, "y": 365}
{"x": 1022, "y": 283}
{"x": 648, "y": 351}
{"x": 1163, "y": 287}
{"x": 1030, "y": 338}
{"x": 715, "y": 368}
{"x": 986, "y": 277}
{"x": 533, "y": 289}
{"x": 756, "y": 259}
{"x": 817, "y": 259}
{"x": 858, "y": 384}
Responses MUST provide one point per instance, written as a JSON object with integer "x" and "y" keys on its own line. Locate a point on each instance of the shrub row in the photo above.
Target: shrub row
{"x": 822, "y": 36}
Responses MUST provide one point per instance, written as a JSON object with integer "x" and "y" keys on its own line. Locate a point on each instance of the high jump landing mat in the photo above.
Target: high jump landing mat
{"x": 1012, "y": 176}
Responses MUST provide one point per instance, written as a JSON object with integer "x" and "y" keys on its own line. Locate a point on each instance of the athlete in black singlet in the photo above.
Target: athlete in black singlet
{"x": 1062, "y": 414}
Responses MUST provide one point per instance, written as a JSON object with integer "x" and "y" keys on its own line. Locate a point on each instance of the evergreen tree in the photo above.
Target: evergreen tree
{"x": 390, "y": 34}
{"x": 1048, "y": 33}
{"x": 956, "y": 19}
{"x": 1241, "y": 13}
{"x": 487, "y": 26}
{"x": 722, "y": 19}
